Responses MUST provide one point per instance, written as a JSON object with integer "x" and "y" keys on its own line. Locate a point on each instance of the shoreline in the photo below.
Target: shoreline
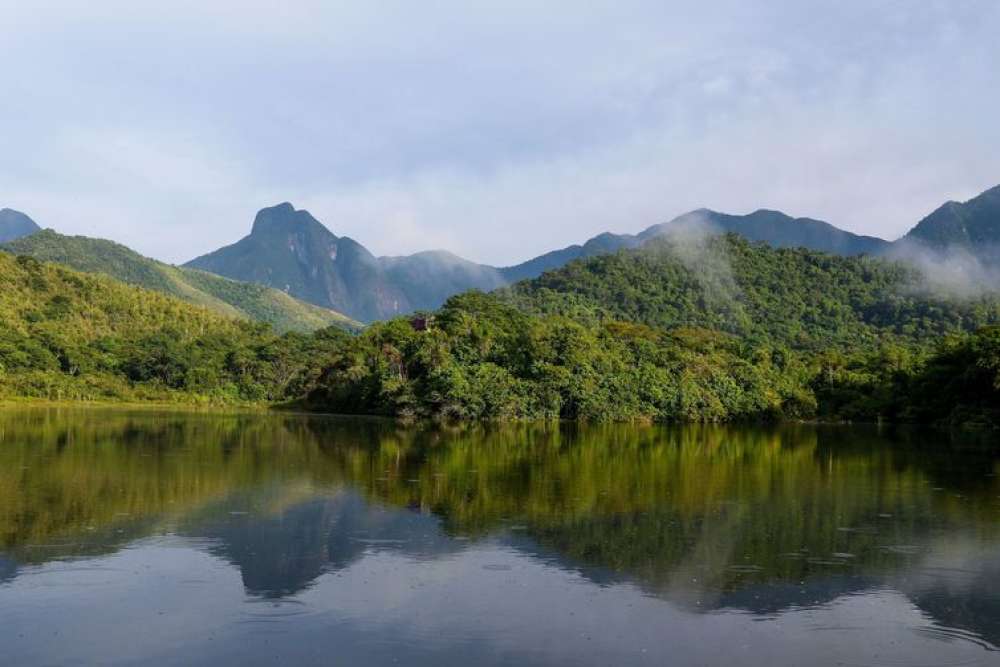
{"x": 291, "y": 409}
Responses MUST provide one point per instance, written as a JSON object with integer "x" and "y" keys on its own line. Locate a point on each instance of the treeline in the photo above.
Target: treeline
{"x": 483, "y": 359}
{"x": 704, "y": 330}
{"x": 958, "y": 383}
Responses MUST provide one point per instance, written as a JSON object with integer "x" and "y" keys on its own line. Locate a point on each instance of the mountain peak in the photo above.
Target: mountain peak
{"x": 771, "y": 213}
{"x": 14, "y": 225}
{"x": 284, "y": 217}
{"x": 972, "y": 224}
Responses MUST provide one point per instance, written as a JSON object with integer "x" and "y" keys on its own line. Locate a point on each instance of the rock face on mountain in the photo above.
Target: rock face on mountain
{"x": 292, "y": 251}
{"x": 15, "y": 225}
{"x": 973, "y": 225}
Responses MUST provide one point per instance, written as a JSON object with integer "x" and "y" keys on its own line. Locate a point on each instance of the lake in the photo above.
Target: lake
{"x": 168, "y": 538}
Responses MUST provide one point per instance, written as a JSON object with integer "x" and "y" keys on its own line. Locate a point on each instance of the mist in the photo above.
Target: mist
{"x": 955, "y": 271}
{"x": 694, "y": 241}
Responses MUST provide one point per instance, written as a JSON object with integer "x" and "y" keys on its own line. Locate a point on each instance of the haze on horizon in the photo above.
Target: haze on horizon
{"x": 498, "y": 131}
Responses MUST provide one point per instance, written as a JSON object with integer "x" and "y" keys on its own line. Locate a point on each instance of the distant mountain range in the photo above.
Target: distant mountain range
{"x": 289, "y": 249}
{"x": 218, "y": 294}
{"x": 772, "y": 227}
{"x": 292, "y": 252}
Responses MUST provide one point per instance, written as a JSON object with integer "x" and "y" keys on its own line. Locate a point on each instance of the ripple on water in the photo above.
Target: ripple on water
{"x": 946, "y": 633}
{"x": 265, "y": 611}
{"x": 935, "y": 632}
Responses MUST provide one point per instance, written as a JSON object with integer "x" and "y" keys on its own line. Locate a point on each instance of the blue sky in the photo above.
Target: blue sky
{"x": 495, "y": 130}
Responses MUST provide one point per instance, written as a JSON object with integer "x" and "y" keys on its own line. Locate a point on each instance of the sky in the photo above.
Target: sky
{"x": 496, "y": 130}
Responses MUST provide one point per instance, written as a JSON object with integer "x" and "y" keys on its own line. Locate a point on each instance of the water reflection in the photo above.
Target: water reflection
{"x": 808, "y": 529}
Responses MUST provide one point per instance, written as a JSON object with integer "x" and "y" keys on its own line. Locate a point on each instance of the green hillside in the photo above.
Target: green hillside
{"x": 797, "y": 298}
{"x": 76, "y": 336}
{"x": 701, "y": 329}
{"x": 221, "y": 295}
{"x": 711, "y": 330}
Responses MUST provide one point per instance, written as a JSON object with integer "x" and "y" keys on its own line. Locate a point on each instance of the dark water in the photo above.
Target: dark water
{"x": 165, "y": 538}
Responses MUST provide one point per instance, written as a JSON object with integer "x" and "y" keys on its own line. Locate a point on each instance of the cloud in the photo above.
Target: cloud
{"x": 497, "y": 130}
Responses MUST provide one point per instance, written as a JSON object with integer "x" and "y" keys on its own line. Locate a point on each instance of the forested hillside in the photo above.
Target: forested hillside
{"x": 719, "y": 330}
{"x": 71, "y": 336}
{"x": 482, "y": 358}
{"x": 705, "y": 329}
{"x": 796, "y": 298}
{"x": 221, "y": 295}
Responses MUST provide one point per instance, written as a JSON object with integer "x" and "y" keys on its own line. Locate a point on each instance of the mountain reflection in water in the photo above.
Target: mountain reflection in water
{"x": 373, "y": 542}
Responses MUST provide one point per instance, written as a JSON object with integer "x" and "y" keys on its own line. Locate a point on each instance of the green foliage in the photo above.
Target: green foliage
{"x": 226, "y": 297}
{"x": 71, "y": 336}
{"x": 484, "y": 359}
{"x": 705, "y": 329}
{"x": 795, "y": 298}
{"x": 709, "y": 330}
{"x": 958, "y": 384}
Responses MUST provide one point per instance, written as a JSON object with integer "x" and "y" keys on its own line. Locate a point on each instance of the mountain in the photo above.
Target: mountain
{"x": 292, "y": 251}
{"x": 221, "y": 295}
{"x": 772, "y": 227}
{"x": 14, "y": 225}
{"x": 685, "y": 328}
{"x": 599, "y": 245}
{"x": 69, "y": 335}
{"x": 427, "y": 279}
{"x": 72, "y": 335}
{"x": 776, "y": 229}
{"x": 790, "y": 297}
{"x": 973, "y": 225}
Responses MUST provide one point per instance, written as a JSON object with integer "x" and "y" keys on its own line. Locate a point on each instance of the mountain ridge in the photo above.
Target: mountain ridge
{"x": 969, "y": 224}
{"x": 291, "y": 250}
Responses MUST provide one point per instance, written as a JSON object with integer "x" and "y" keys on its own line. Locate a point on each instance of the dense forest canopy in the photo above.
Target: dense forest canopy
{"x": 69, "y": 335}
{"x": 703, "y": 329}
{"x": 687, "y": 328}
{"x": 797, "y": 298}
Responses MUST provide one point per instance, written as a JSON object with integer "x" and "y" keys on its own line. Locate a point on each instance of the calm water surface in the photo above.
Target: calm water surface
{"x": 186, "y": 539}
